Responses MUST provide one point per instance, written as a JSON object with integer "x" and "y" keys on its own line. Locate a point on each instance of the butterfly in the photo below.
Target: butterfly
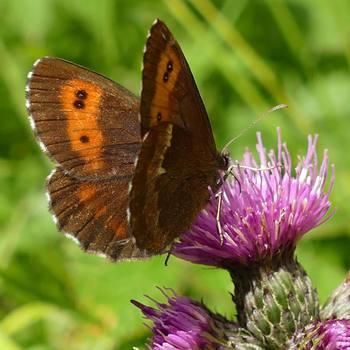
{"x": 131, "y": 174}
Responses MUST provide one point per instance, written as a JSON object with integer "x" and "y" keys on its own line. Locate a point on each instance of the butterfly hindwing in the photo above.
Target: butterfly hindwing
{"x": 173, "y": 193}
{"x": 93, "y": 213}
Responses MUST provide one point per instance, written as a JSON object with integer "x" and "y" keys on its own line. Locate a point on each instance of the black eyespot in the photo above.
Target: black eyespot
{"x": 165, "y": 77}
{"x": 84, "y": 138}
{"x": 159, "y": 116}
{"x": 169, "y": 66}
{"x": 79, "y": 104}
{"x": 81, "y": 94}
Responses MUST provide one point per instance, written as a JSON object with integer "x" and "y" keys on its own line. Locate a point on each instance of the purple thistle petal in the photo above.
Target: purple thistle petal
{"x": 263, "y": 215}
{"x": 328, "y": 335}
{"x": 336, "y": 334}
{"x": 182, "y": 324}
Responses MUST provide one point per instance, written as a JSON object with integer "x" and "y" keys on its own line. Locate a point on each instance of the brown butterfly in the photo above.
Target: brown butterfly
{"x": 89, "y": 126}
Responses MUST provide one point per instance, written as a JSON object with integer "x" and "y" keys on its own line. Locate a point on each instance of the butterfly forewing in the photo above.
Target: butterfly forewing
{"x": 178, "y": 158}
{"x": 89, "y": 126}
{"x": 169, "y": 92}
{"x": 86, "y": 122}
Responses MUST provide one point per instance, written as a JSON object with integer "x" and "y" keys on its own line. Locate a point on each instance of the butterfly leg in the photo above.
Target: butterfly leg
{"x": 230, "y": 171}
{"x": 220, "y": 193}
{"x": 219, "y": 196}
{"x": 218, "y": 222}
{"x": 168, "y": 255}
{"x": 239, "y": 183}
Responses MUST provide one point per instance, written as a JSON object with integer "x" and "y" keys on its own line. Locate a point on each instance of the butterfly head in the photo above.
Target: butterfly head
{"x": 225, "y": 159}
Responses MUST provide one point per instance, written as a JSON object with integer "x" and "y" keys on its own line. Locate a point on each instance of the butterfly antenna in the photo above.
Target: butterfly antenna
{"x": 256, "y": 121}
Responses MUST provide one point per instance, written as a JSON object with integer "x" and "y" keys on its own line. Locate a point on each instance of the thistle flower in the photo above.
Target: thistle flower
{"x": 263, "y": 213}
{"x": 184, "y": 324}
{"x": 328, "y": 335}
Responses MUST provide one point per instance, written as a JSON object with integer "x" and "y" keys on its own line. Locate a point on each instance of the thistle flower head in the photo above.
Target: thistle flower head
{"x": 183, "y": 324}
{"x": 263, "y": 212}
{"x": 328, "y": 335}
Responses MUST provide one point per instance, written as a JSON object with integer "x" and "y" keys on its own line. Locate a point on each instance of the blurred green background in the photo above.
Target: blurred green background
{"x": 246, "y": 55}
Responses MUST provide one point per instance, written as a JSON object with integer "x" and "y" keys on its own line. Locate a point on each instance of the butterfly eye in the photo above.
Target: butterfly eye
{"x": 165, "y": 77}
{"x": 159, "y": 116}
